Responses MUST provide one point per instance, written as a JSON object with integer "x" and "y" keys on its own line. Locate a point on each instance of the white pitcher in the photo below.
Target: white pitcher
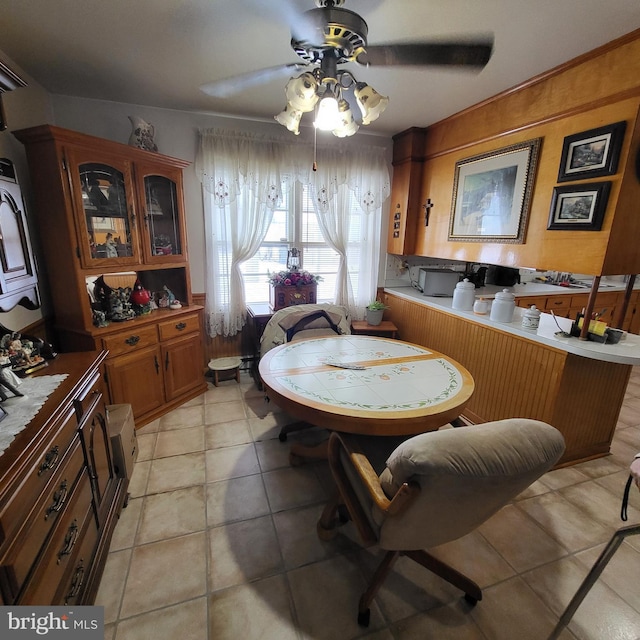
{"x": 142, "y": 134}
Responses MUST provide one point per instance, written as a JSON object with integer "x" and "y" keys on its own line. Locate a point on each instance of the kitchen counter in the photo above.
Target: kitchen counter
{"x": 577, "y": 386}
{"x": 627, "y": 351}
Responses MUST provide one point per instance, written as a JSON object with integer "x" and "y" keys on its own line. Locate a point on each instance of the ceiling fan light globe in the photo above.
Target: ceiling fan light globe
{"x": 290, "y": 118}
{"x": 328, "y": 117}
{"x": 301, "y": 92}
{"x": 371, "y": 103}
{"x": 348, "y": 126}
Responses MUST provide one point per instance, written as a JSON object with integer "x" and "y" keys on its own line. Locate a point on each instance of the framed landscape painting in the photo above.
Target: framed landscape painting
{"x": 579, "y": 207}
{"x": 593, "y": 153}
{"x": 492, "y": 194}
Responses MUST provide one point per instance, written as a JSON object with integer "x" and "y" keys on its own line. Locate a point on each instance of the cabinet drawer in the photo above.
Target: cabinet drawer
{"x": 179, "y": 327}
{"x": 17, "y": 503}
{"x": 73, "y": 586}
{"x": 558, "y": 302}
{"x": 130, "y": 340}
{"x": 54, "y": 502}
{"x": 75, "y": 531}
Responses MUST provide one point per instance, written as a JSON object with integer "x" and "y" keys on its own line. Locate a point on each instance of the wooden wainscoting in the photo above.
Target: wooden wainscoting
{"x": 516, "y": 377}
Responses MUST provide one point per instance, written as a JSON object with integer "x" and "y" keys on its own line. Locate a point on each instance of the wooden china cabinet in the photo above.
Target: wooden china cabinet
{"x": 105, "y": 209}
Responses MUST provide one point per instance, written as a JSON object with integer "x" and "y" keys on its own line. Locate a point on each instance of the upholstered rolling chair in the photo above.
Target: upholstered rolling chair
{"x": 298, "y": 323}
{"x": 435, "y": 487}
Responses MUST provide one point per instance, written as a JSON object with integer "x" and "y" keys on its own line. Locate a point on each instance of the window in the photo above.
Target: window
{"x": 294, "y": 225}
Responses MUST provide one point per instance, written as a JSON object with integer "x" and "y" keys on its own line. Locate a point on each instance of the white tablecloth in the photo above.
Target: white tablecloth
{"x": 21, "y": 410}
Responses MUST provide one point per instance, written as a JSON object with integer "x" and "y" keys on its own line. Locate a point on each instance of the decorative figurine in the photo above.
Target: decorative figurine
{"x": 111, "y": 246}
{"x": 119, "y": 305}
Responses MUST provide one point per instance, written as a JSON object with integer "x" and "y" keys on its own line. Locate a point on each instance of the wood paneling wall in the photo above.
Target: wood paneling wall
{"x": 596, "y": 89}
{"x": 516, "y": 377}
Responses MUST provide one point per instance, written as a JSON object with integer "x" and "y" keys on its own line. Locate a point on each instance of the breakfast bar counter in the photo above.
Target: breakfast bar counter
{"x": 577, "y": 386}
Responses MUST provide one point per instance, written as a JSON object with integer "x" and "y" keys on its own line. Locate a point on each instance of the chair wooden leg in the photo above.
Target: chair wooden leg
{"x": 376, "y": 582}
{"x": 472, "y": 591}
{"x": 326, "y": 527}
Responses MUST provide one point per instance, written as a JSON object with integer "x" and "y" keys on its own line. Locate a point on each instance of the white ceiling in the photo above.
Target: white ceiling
{"x": 158, "y": 52}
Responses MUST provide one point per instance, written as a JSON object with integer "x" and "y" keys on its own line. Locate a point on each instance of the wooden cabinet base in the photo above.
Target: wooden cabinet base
{"x": 517, "y": 377}
{"x": 60, "y": 496}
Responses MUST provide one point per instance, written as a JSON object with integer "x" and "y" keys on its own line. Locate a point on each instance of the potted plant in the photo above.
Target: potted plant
{"x": 374, "y": 312}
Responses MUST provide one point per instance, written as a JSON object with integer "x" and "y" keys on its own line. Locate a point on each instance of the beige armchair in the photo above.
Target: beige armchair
{"x": 435, "y": 488}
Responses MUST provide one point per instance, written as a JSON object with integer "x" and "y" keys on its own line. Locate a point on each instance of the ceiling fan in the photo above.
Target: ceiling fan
{"x": 329, "y": 36}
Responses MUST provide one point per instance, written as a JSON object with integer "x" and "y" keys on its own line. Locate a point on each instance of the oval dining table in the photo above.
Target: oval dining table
{"x": 397, "y": 389}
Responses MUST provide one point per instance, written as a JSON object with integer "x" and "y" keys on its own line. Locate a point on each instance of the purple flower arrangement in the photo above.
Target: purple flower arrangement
{"x": 293, "y": 278}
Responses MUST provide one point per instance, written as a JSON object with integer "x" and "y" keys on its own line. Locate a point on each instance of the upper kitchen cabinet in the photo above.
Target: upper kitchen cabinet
{"x": 589, "y": 93}
{"x": 406, "y": 209}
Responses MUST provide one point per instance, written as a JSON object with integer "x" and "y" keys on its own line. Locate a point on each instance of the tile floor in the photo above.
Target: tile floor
{"x": 218, "y": 542}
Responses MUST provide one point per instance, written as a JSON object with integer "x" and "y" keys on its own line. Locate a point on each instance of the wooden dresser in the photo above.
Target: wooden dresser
{"x": 60, "y": 497}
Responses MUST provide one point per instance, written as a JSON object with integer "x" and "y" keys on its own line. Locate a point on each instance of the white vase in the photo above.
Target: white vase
{"x": 142, "y": 134}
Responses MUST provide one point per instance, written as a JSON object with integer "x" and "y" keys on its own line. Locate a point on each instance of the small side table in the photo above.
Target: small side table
{"x": 385, "y": 329}
{"x": 219, "y": 365}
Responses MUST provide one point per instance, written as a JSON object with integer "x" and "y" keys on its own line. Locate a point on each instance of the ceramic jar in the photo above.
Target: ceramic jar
{"x": 503, "y": 307}
{"x": 531, "y": 318}
{"x": 464, "y": 296}
{"x": 142, "y": 134}
{"x": 481, "y": 307}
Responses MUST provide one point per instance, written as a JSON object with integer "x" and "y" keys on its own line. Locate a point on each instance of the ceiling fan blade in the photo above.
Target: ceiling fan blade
{"x": 465, "y": 54}
{"x": 235, "y": 84}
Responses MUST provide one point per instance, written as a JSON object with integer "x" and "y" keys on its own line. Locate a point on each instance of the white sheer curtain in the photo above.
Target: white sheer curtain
{"x": 353, "y": 234}
{"x": 243, "y": 177}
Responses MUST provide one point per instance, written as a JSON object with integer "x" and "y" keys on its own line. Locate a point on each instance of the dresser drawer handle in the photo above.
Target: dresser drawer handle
{"x": 69, "y": 541}
{"x": 59, "y": 498}
{"x": 76, "y": 582}
{"x": 50, "y": 460}
{"x": 132, "y": 340}
{"x": 180, "y": 326}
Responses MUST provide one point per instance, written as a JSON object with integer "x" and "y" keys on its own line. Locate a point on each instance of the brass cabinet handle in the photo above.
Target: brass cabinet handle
{"x": 69, "y": 541}
{"x": 132, "y": 340}
{"x": 133, "y": 217}
{"x": 59, "y": 498}
{"x": 50, "y": 460}
{"x": 180, "y": 326}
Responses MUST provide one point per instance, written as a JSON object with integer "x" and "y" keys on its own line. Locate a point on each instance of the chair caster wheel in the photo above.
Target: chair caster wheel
{"x": 471, "y": 600}
{"x": 364, "y": 617}
{"x": 282, "y": 437}
{"x": 343, "y": 514}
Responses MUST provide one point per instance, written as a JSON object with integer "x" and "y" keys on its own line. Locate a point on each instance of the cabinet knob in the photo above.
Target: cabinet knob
{"x": 132, "y": 340}
{"x": 180, "y": 326}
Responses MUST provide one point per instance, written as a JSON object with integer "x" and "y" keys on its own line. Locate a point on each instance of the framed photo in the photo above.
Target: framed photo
{"x": 579, "y": 207}
{"x": 492, "y": 194}
{"x": 593, "y": 153}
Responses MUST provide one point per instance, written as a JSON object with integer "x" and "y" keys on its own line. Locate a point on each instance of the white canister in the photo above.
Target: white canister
{"x": 531, "y": 318}
{"x": 464, "y": 296}
{"x": 481, "y": 307}
{"x": 503, "y": 306}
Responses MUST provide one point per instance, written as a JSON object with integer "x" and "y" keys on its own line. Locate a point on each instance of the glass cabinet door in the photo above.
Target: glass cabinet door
{"x": 163, "y": 241}
{"x": 106, "y": 227}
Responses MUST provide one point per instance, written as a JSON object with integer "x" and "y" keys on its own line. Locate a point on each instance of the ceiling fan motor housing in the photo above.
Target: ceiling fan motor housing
{"x": 339, "y": 30}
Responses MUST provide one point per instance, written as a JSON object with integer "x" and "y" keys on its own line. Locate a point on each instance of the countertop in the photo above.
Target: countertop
{"x": 627, "y": 351}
